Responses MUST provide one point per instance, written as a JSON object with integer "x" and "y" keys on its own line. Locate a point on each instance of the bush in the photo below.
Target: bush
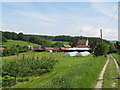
{"x": 101, "y": 49}
{"x": 21, "y": 79}
{"x": 8, "y": 81}
{"x": 112, "y": 49}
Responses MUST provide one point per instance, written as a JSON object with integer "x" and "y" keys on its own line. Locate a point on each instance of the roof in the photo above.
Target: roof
{"x": 36, "y": 47}
{"x": 79, "y": 49}
{"x": 51, "y": 48}
{"x": 71, "y": 53}
{"x": 82, "y": 46}
{"x": 67, "y": 46}
{"x": 63, "y": 48}
{"x": 81, "y": 42}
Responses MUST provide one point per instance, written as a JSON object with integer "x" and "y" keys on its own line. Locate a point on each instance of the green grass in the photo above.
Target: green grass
{"x": 10, "y": 43}
{"x": 69, "y": 72}
{"x": 117, "y": 57}
{"x": 110, "y": 76}
{"x": 65, "y": 43}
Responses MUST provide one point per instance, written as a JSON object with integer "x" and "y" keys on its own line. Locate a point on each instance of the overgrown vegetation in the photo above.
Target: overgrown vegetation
{"x": 25, "y": 67}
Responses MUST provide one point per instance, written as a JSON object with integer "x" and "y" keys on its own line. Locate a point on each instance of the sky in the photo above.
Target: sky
{"x": 61, "y": 18}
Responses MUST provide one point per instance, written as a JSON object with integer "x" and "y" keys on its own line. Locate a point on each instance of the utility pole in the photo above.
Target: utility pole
{"x": 101, "y": 35}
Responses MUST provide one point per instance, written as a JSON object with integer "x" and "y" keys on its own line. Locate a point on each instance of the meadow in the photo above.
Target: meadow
{"x": 64, "y": 42}
{"x": 10, "y": 43}
{"x": 69, "y": 72}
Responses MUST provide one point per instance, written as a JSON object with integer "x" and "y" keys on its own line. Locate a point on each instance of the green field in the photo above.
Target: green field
{"x": 69, "y": 72}
{"x": 10, "y": 43}
{"x": 65, "y": 43}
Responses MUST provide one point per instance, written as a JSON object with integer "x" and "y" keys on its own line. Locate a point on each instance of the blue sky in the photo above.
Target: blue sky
{"x": 61, "y": 18}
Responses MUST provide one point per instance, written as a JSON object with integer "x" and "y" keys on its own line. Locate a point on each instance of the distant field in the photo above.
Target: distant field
{"x": 69, "y": 72}
{"x": 10, "y": 43}
{"x": 65, "y": 43}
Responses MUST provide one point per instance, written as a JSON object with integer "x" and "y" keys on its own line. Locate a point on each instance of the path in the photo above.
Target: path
{"x": 100, "y": 79}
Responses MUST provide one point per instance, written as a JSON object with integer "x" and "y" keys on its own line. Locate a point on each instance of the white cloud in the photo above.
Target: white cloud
{"x": 36, "y": 16}
{"x": 110, "y": 34}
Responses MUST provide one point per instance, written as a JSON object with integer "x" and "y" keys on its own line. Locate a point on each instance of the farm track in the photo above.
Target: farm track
{"x": 101, "y": 76}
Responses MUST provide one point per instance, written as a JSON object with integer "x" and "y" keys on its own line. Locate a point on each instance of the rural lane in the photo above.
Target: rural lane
{"x": 101, "y": 76}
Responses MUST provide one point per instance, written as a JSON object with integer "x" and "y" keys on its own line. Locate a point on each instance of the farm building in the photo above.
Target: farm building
{"x": 64, "y": 47}
{"x": 72, "y": 54}
{"x": 51, "y": 49}
{"x": 82, "y": 43}
{"x": 37, "y": 48}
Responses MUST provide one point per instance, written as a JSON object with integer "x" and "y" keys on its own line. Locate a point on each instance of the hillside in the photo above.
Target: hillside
{"x": 10, "y": 43}
{"x": 64, "y": 42}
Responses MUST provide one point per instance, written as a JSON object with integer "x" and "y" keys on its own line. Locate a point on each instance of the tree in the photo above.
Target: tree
{"x": 101, "y": 49}
{"x": 4, "y": 39}
{"x": 21, "y": 36}
{"x": 118, "y": 47}
{"x": 112, "y": 48}
{"x": 57, "y": 44}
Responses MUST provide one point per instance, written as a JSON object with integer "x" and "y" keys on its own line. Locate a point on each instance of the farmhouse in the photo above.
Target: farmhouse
{"x": 51, "y": 49}
{"x": 65, "y": 47}
{"x": 82, "y": 43}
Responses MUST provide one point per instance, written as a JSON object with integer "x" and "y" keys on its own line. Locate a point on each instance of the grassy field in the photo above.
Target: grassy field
{"x": 10, "y": 43}
{"x": 110, "y": 76}
{"x": 69, "y": 72}
{"x": 65, "y": 43}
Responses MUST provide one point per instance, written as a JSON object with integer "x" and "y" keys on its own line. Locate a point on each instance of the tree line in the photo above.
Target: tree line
{"x": 45, "y": 41}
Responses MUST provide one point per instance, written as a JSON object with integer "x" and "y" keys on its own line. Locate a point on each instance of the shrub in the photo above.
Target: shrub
{"x": 101, "y": 49}
{"x": 21, "y": 79}
{"x": 8, "y": 81}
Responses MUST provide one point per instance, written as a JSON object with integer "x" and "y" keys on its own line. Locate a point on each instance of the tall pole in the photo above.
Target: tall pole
{"x": 101, "y": 35}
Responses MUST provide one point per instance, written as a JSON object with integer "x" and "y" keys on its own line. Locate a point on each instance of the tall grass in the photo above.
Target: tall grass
{"x": 117, "y": 57}
{"x": 83, "y": 76}
{"x": 70, "y": 72}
